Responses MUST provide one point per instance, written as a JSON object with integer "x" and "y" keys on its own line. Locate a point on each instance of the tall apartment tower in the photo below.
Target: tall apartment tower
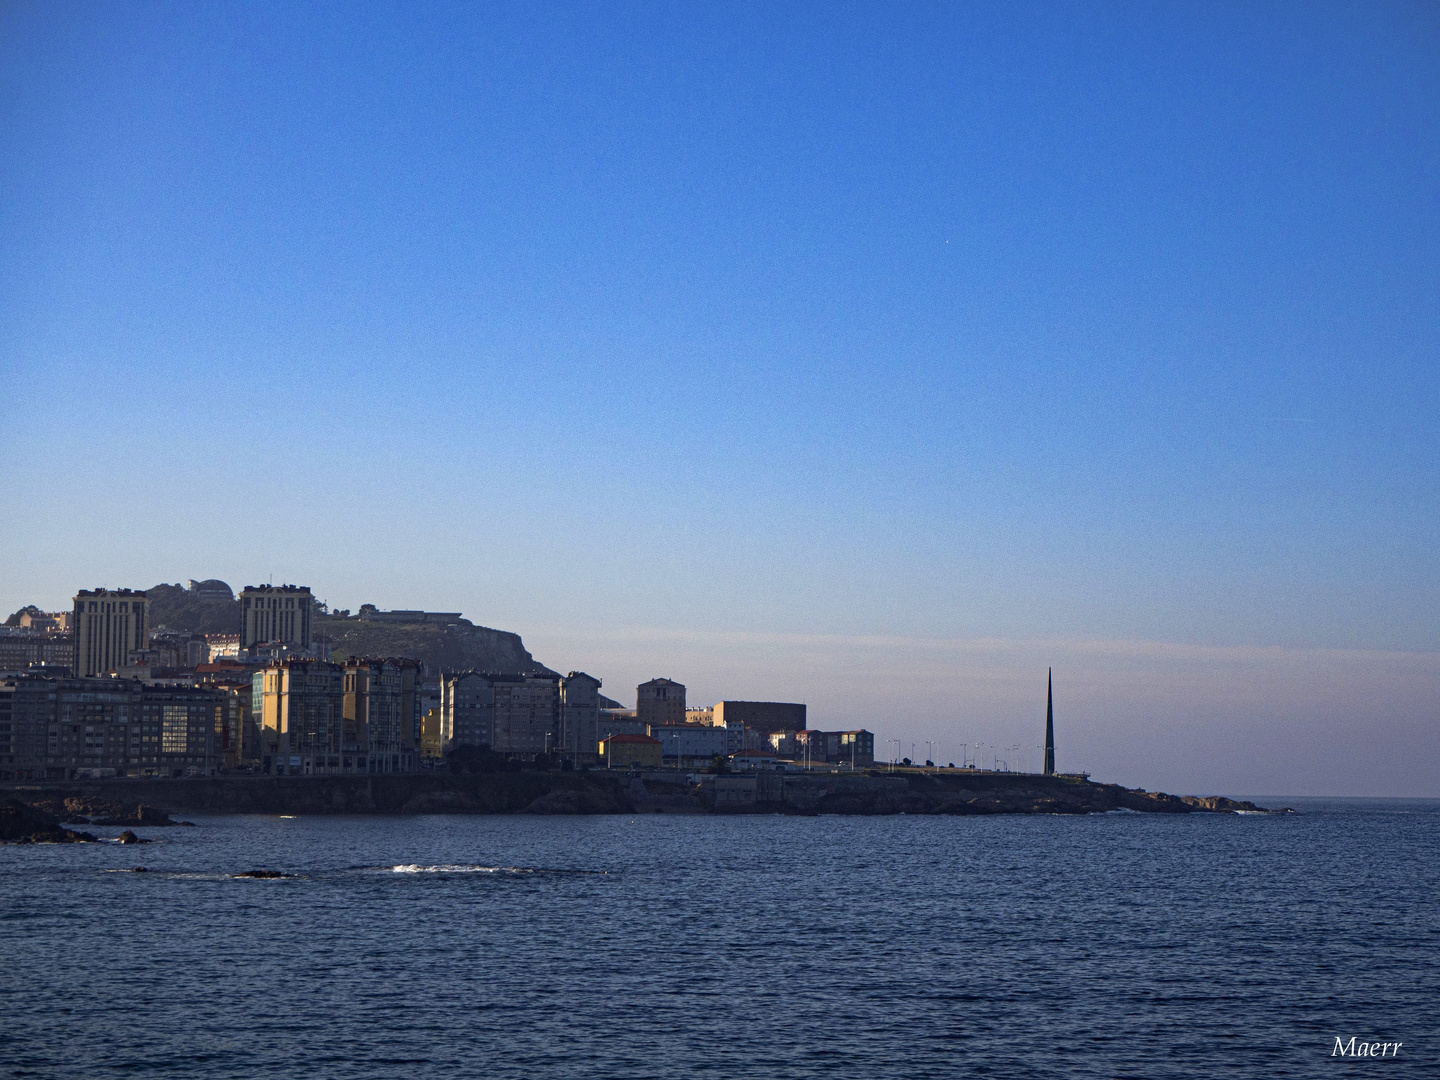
{"x": 275, "y": 613}
{"x": 108, "y": 624}
{"x": 579, "y": 714}
{"x": 660, "y": 701}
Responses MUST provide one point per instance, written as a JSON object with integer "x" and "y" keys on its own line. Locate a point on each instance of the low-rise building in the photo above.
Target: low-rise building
{"x": 690, "y": 744}
{"x": 218, "y": 645}
{"x": 764, "y": 716}
{"x": 623, "y": 751}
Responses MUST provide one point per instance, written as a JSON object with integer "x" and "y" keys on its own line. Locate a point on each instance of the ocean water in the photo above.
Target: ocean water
{"x": 1117, "y": 945}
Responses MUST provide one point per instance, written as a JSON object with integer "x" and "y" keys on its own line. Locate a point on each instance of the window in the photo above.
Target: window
{"x": 176, "y": 725}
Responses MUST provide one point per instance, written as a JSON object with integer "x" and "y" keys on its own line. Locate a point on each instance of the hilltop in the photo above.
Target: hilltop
{"x": 453, "y": 647}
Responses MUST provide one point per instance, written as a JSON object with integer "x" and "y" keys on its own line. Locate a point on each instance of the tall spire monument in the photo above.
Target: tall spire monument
{"x": 1050, "y": 723}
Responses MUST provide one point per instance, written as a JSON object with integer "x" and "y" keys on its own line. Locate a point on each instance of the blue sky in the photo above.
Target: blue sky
{"x": 784, "y": 350}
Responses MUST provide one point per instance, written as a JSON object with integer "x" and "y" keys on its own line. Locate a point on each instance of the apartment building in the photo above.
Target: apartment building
{"x": 660, "y": 701}
{"x": 276, "y": 613}
{"x": 109, "y": 624}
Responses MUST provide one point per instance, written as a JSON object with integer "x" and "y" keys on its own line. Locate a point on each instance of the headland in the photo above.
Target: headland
{"x": 601, "y": 791}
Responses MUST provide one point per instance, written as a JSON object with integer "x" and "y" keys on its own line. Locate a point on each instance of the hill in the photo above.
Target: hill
{"x": 176, "y": 607}
{"x": 456, "y": 647}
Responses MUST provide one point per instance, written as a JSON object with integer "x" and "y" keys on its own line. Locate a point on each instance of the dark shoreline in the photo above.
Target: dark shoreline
{"x": 603, "y": 792}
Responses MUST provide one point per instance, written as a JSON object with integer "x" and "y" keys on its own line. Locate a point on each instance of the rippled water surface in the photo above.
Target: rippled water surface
{"x": 1119, "y": 945}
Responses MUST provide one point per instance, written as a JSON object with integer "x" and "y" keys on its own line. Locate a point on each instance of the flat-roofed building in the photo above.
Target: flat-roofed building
{"x": 382, "y": 719}
{"x": 660, "y": 701}
{"x": 622, "y": 751}
{"x": 303, "y": 718}
{"x": 66, "y": 729}
{"x": 764, "y": 716}
{"x": 218, "y": 645}
{"x": 618, "y": 722}
{"x": 276, "y": 613}
{"x": 580, "y": 716}
{"x": 109, "y": 625}
{"x": 690, "y": 744}
{"x": 510, "y": 713}
{"x": 857, "y": 748}
{"x": 467, "y": 711}
{"x": 21, "y": 648}
{"x": 526, "y": 714}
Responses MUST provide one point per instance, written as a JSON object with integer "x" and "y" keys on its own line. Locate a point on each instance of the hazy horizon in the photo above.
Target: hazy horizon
{"x": 874, "y": 358}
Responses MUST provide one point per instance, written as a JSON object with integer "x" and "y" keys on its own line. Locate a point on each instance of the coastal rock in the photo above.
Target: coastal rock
{"x": 92, "y": 810}
{"x": 264, "y": 874}
{"x": 1218, "y": 804}
{"x": 21, "y": 823}
{"x": 128, "y": 837}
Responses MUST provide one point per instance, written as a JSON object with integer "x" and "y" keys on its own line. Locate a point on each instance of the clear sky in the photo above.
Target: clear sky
{"x": 875, "y": 356}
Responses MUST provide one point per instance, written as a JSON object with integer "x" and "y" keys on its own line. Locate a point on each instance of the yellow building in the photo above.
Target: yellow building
{"x": 430, "y": 735}
{"x": 622, "y": 751}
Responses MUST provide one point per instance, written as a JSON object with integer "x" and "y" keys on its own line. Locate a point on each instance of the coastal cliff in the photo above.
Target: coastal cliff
{"x": 604, "y": 792}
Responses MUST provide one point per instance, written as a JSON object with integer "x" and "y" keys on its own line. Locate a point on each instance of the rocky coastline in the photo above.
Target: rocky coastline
{"x": 44, "y": 807}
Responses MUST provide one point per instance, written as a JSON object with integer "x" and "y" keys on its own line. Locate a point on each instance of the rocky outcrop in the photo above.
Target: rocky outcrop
{"x": 21, "y": 823}
{"x": 1218, "y": 804}
{"x": 96, "y": 810}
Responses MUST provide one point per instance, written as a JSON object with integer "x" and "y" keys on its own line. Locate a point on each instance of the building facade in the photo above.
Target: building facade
{"x": 302, "y": 725}
{"x": 20, "y": 648}
{"x": 763, "y": 716}
{"x": 660, "y": 701}
{"x": 690, "y": 744}
{"x": 511, "y": 714}
{"x": 382, "y": 715}
{"x": 580, "y": 717}
{"x": 66, "y": 729}
{"x": 109, "y": 625}
{"x": 276, "y": 613}
{"x": 467, "y": 711}
{"x": 623, "y": 751}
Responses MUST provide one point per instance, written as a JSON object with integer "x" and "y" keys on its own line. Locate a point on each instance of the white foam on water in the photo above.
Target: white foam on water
{"x": 457, "y": 868}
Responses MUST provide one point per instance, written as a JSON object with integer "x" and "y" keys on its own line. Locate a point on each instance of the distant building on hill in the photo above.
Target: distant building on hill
{"x": 618, "y": 722}
{"x": 48, "y": 622}
{"x": 211, "y": 589}
{"x": 369, "y": 613}
{"x": 660, "y": 701}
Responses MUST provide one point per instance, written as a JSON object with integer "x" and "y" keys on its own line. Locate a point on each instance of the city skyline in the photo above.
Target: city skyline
{"x": 879, "y": 360}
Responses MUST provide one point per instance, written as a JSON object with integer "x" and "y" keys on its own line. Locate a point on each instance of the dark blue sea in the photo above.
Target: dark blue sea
{"x": 1118, "y": 945}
